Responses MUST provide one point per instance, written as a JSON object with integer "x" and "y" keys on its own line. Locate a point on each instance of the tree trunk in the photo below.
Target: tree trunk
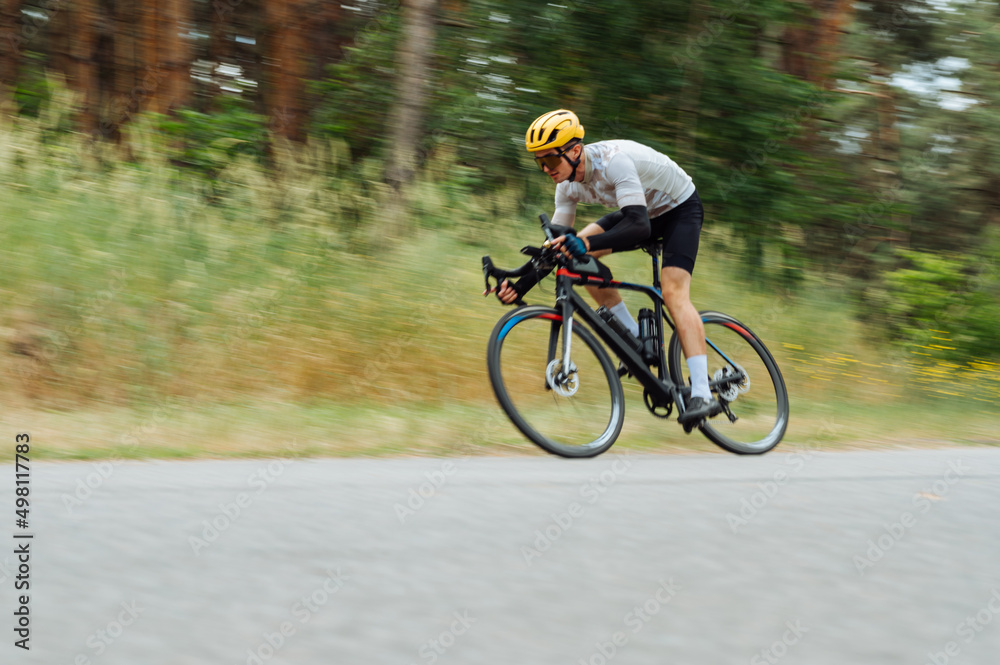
{"x": 11, "y": 45}
{"x": 127, "y": 61}
{"x": 151, "y": 60}
{"x": 173, "y": 57}
{"x": 219, "y": 39}
{"x": 285, "y": 66}
{"x": 80, "y": 63}
{"x": 887, "y": 151}
{"x": 812, "y": 48}
{"x": 325, "y": 39}
{"x": 413, "y": 77}
{"x": 149, "y": 50}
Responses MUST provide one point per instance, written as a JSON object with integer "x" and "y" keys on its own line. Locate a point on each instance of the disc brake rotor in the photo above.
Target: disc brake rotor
{"x": 565, "y": 384}
{"x": 735, "y": 386}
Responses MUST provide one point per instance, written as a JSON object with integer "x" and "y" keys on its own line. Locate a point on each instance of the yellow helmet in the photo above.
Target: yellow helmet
{"x": 553, "y": 130}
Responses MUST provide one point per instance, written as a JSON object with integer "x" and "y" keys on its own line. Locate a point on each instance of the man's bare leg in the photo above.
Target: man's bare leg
{"x": 676, "y": 288}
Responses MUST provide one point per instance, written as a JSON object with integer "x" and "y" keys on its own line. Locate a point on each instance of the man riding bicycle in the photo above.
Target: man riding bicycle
{"x": 655, "y": 199}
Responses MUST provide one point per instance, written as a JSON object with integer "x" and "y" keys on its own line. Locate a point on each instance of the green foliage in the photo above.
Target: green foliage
{"x": 32, "y": 92}
{"x": 355, "y": 98}
{"x": 903, "y": 30}
{"x": 945, "y": 304}
{"x": 208, "y": 142}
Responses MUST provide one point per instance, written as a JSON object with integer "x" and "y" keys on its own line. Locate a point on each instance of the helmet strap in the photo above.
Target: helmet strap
{"x": 575, "y": 163}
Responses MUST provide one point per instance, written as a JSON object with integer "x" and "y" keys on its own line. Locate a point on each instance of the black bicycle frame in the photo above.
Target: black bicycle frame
{"x": 662, "y": 389}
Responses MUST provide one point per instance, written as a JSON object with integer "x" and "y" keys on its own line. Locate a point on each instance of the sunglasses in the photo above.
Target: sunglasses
{"x": 551, "y": 161}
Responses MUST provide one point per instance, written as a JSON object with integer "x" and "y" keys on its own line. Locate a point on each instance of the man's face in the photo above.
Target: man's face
{"x": 563, "y": 170}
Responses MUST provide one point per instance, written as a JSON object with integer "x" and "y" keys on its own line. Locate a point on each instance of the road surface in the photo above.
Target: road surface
{"x": 812, "y": 558}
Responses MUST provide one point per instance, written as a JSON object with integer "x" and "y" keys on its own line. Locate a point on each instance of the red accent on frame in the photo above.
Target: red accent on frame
{"x": 551, "y": 317}
{"x": 563, "y": 272}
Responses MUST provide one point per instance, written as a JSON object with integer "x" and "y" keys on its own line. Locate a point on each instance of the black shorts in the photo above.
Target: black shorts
{"x": 680, "y": 230}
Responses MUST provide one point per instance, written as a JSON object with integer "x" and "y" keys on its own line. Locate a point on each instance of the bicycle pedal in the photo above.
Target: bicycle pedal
{"x": 623, "y": 371}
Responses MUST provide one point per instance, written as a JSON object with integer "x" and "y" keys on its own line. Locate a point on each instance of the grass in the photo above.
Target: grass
{"x": 141, "y": 316}
{"x": 260, "y": 427}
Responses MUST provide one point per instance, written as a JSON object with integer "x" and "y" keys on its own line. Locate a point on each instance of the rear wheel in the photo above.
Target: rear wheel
{"x": 572, "y": 412}
{"x": 745, "y": 379}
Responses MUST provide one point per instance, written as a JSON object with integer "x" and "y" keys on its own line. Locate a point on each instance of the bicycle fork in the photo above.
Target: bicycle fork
{"x": 567, "y": 335}
{"x": 557, "y": 380}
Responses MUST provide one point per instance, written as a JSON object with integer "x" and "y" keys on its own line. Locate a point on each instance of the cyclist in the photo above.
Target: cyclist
{"x": 655, "y": 198}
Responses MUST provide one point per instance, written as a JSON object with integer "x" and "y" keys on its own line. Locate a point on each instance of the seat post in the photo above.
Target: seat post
{"x": 654, "y": 251}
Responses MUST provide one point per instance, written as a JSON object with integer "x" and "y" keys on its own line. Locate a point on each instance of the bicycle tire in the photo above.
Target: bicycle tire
{"x": 762, "y": 408}
{"x": 518, "y": 356}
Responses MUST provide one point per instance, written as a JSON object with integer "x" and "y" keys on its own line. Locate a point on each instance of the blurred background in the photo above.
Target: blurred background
{"x": 247, "y": 226}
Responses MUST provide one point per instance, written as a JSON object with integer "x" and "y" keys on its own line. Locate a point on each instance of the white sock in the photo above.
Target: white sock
{"x": 622, "y": 314}
{"x": 698, "y": 367}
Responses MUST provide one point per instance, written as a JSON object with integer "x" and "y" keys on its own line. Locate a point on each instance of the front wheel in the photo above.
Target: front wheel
{"x": 745, "y": 379}
{"x": 574, "y": 411}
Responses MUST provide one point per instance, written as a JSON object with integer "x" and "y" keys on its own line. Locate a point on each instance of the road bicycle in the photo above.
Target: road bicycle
{"x": 559, "y": 386}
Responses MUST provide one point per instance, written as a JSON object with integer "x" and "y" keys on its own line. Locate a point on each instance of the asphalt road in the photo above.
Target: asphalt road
{"x": 861, "y": 558}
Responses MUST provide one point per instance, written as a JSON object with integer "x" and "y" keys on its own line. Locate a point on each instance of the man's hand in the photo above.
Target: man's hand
{"x": 506, "y": 293}
{"x": 571, "y": 245}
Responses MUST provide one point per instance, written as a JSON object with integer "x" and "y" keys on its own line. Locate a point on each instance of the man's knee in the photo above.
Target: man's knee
{"x": 675, "y": 287}
{"x": 675, "y": 298}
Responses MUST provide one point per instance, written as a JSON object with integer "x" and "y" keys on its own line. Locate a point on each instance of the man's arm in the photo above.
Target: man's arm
{"x": 629, "y": 225}
{"x": 565, "y": 213}
{"x": 626, "y": 228}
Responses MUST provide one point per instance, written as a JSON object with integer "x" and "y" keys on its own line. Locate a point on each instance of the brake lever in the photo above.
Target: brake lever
{"x": 487, "y": 273}
{"x": 544, "y": 219}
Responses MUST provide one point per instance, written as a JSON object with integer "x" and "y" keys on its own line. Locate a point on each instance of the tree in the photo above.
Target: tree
{"x": 325, "y": 36}
{"x": 412, "y": 80}
{"x": 166, "y": 56}
{"x": 121, "y": 58}
{"x": 975, "y": 161}
{"x": 10, "y": 46}
{"x": 286, "y": 66}
{"x": 73, "y": 52}
{"x": 810, "y": 48}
